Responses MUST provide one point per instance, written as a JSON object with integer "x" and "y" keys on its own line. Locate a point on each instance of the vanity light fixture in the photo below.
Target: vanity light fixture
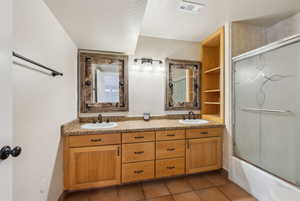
{"x": 147, "y": 61}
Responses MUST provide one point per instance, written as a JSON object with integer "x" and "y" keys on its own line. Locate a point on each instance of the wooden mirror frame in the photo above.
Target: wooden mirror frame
{"x": 85, "y": 77}
{"x": 169, "y": 104}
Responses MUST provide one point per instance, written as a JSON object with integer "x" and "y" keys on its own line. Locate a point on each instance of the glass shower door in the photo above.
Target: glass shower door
{"x": 267, "y": 109}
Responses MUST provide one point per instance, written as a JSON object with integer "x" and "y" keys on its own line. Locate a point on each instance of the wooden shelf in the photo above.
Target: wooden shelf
{"x": 212, "y": 103}
{"x": 212, "y": 90}
{"x": 212, "y": 93}
{"x": 213, "y": 70}
{"x": 212, "y": 117}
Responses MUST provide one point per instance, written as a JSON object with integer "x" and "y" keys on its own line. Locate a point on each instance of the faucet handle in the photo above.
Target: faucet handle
{"x": 107, "y": 120}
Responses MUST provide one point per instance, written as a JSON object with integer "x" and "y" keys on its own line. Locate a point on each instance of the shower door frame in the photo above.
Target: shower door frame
{"x": 252, "y": 53}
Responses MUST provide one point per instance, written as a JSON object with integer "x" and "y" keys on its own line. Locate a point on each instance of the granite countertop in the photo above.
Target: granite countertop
{"x": 73, "y": 128}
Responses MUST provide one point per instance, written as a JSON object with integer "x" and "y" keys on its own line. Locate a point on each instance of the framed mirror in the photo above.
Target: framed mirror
{"x": 182, "y": 85}
{"x": 103, "y": 82}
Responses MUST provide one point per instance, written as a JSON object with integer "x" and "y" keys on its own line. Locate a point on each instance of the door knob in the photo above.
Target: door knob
{"x": 6, "y": 151}
{"x": 15, "y": 152}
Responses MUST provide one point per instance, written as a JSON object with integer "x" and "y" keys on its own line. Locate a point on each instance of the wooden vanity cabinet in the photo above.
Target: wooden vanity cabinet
{"x": 87, "y": 165}
{"x": 92, "y": 161}
{"x": 94, "y": 166}
{"x": 203, "y": 153}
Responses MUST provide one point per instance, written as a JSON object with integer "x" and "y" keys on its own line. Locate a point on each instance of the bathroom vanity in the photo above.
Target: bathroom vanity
{"x": 137, "y": 150}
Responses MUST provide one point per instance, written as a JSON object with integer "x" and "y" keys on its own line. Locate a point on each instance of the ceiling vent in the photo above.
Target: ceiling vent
{"x": 190, "y": 6}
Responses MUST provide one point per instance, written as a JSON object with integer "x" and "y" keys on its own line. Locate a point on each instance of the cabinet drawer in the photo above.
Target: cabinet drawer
{"x": 170, "y": 149}
{"x": 170, "y": 135}
{"x": 170, "y": 167}
{"x": 92, "y": 140}
{"x": 138, "y": 137}
{"x": 138, "y": 171}
{"x": 203, "y": 132}
{"x": 138, "y": 152}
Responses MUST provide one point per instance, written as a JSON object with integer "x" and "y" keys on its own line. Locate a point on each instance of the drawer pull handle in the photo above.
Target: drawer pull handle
{"x": 204, "y": 133}
{"x": 96, "y": 140}
{"x": 138, "y": 152}
{"x": 138, "y": 171}
{"x": 118, "y": 151}
{"x": 171, "y": 149}
{"x": 170, "y": 167}
{"x": 139, "y": 137}
{"x": 171, "y": 135}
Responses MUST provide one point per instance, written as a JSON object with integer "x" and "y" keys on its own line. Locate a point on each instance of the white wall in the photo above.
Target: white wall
{"x": 284, "y": 28}
{"x": 262, "y": 185}
{"x": 41, "y": 103}
{"x": 147, "y": 88}
{"x": 6, "y": 97}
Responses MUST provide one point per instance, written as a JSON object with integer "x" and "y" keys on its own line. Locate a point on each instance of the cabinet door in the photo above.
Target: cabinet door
{"x": 203, "y": 154}
{"x": 94, "y": 166}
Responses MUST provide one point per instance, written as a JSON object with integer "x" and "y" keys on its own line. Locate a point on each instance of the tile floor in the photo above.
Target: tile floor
{"x": 202, "y": 187}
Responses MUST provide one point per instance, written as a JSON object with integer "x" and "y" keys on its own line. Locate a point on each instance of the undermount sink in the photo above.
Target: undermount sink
{"x": 193, "y": 121}
{"x": 95, "y": 126}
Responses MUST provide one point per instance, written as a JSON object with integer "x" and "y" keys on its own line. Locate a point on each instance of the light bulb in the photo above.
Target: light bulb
{"x": 148, "y": 67}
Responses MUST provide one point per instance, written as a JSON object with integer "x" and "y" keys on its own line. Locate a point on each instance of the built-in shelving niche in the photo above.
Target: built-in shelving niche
{"x": 212, "y": 92}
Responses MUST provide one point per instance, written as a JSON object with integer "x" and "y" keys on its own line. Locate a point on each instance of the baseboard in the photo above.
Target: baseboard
{"x": 224, "y": 172}
{"x": 62, "y": 196}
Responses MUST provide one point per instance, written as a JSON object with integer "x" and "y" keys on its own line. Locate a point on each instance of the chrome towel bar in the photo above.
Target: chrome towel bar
{"x": 266, "y": 110}
{"x": 53, "y": 72}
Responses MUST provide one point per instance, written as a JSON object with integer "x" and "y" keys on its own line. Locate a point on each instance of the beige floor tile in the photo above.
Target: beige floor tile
{"x": 178, "y": 185}
{"x": 217, "y": 179}
{"x": 132, "y": 192}
{"x": 199, "y": 182}
{"x": 155, "y": 189}
{"x": 211, "y": 194}
{"x": 78, "y": 196}
{"x": 190, "y": 196}
{"x": 236, "y": 193}
{"x": 105, "y": 194}
{"x": 164, "y": 198}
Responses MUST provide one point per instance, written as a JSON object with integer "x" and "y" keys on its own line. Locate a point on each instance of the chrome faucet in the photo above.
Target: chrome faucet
{"x": 191, "y": 113}
{"x": 100, "y": 118}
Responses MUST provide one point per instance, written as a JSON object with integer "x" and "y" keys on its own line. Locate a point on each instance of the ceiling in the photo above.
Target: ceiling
{"x": 164, "y": 19}
{"x": 114, "y": 25}
{"x": 108, "y": 25}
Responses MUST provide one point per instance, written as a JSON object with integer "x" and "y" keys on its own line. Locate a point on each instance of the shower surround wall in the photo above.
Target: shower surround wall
{"x": 261, "y": 184}
{"x": 283, "y": 29}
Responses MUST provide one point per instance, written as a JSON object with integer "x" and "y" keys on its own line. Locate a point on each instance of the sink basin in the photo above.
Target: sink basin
{"x": 95, "y": 126}
{"x": 193, "y": 121}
